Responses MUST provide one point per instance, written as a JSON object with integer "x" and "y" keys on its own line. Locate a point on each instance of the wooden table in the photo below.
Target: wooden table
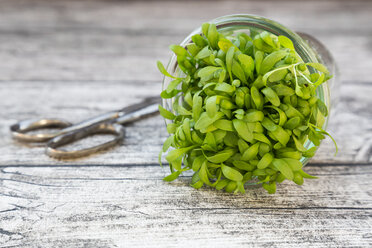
{"x": 78, "y": 59}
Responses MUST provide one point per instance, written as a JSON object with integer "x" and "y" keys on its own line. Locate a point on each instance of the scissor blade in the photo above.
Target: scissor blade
{"x": 147, "y": 107}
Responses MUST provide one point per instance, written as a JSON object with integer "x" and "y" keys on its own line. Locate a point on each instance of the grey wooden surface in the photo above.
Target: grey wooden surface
{"x": 75, "y": 59}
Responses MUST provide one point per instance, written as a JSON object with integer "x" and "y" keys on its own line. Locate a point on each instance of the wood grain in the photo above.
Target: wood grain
{"x": 76, "y": 101}
{"x": 131, "y": 206}
{"x": 101, "y": 40}
{"x": 77, "y": 59}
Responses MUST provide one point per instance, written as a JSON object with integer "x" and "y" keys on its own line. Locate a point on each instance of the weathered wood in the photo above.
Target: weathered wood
{"x": 131, "y": 206}
{"x": 43, "y": 40}
{"x": 76, "y": 101}
{"x": 76, "y": 59}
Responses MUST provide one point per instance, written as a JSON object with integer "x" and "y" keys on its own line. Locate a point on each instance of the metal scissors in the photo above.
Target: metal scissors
{"x": 108, "y": 123}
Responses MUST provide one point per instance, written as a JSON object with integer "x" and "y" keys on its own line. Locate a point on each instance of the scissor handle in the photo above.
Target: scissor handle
{"x": 20, "y": 130}
{"x": 105, "y": 128}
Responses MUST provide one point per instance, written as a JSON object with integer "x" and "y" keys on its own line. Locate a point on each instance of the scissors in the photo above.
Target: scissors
{"x": 108, "y": 123}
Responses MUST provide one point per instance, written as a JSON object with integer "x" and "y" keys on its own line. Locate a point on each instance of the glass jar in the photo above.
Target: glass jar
{"x": 307, "y": 47}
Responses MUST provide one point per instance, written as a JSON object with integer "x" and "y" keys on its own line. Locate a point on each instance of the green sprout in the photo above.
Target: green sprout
{"x": 243, "y": 108}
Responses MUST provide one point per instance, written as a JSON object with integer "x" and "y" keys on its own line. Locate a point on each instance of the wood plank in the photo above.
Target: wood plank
{"x": 76, "y": 59}
{"x": 131, "y": 206}
{"x": 76, "y": 101}
{"x": 68, "y": 56}
{"x": 152, "y": 15}
{"x": 45, "y": 40}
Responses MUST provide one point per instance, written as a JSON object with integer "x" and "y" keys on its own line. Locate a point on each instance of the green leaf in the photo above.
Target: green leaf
{"x": 203, "y": 173}
{"x": 231, "y": 173}
{"x": 240, "y": 188}
{"x": 239, "y": 98}
{"x": 238, "y": 71}
{"x": 205, "y": 28}
{"x": 224, "y": 124}
{"x": 231, "y": 139}
{"x": 270, "y": 187}
{"x": 310, "y": 152}
{"x": 168, "y": 142}
{"x": 208, "y": 71}
{"x": 265, "y": 161}
{"x": 258, "y": 56}
{"x": 319, "y": 67}
{"x": 269, "y": 124}
{"x": 322, "y": 107}
{"x": 254, "y": 116}
{"x": 229, "y": 61}
{"x": 267, "y": 38}
{"x": 205, "y": 121}
{"x": 282, "y": 115}
{"x": 162, "y": 70}
{"x": 165, "y": 113}
{"x": 242, "y": 129}
{"x": 320, "y": 80}
{"x": 257, "y": 97}
{"x": 222, "y": 184}
{"x": 326, "y": 133}
{"x": 222, "y": 76}
{"x": 178, "y": 50}
{"x": 197, "y": 163}
{"x": 219, "y": 135}
{"x": 298, "y": 178}
{"x": 261, "y": 137}
{"x": 247, "y": 64}
{"x": 193, "y": 49}
{"x": 242, "y": 165}
{"x": 281, "y": 68}
{"x": 271, "y": 59}
{"x": 199, "y": 41}
{"x": 284, "y": 168}
{"x": 204, "y": 53}
{"x": 172, "y": 176}
{"x": 281, "y": 135}
{"x": 186, "y": 129}
{"x": 197, "y": 185}
{"x": 290, "y": 111}
{"x": 305, "y": 175}
{"x": 177, "y": 153}
{"x": 182, "y": 111}
{"x": 211, "y": 106}
{"x": 292, "y": 123}
{"x": 213, "y": 36}
{"x": 271, "y": 96}
{"x": 197, "y": 103}
{"x": 298, "y": 144}
{"x": 210, "y": 141}
{"x": 172, "y": 127}
{"x": 231, "y": 186}
{"x": 176, "y": 164}
{"x": 261, "y": 45}
{"x": 277, "y": 75}
{"x": 221, "y": 156}
{"x": 295, "y": 155}
{"x": 224, "y": 87}
{"x": 164, "y": 94}
{"x": 286, "y": 42}
{"x": 225, "y": 44}
{"x": 294, "y": 164}
{"x": 173, "y": 85}
{"x": 251, "y": 152}
{"x": 242, "y": 145}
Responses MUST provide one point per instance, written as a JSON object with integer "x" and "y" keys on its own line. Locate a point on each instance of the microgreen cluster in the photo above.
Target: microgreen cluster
{"x": 243, "y": 107}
